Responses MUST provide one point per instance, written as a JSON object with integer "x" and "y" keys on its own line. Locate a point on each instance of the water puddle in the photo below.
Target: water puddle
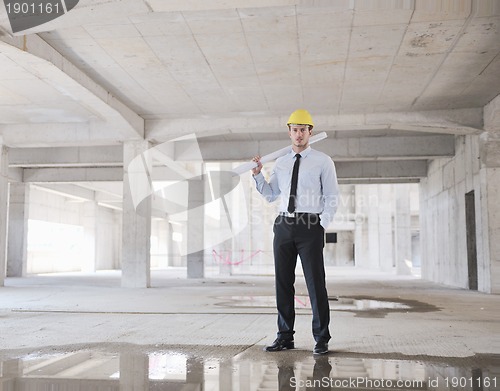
{"x": 169, "y": 370}
{"x": 357, "y": 305}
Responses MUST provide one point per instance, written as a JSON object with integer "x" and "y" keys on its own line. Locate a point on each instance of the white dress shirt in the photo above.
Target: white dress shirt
{"x": 317, "y": 187}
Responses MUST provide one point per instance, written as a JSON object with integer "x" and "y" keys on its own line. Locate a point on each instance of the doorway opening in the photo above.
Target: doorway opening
{"x": 470, "y": 226}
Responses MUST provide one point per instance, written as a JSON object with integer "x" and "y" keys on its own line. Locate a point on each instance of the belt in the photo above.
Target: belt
{"x": 298, "y": 214}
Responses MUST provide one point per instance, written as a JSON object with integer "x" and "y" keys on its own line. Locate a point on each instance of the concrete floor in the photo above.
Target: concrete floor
{"x": 223, "y": 323}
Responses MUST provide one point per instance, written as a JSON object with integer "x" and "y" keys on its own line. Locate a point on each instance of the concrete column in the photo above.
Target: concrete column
{"x": 195, "y": 230}
{"x": 373, "y": 231}
{"x": 136, "y": 223}
{"x": 227, "y": 248}
{"x": 242, "y": 248}
{"x": 164, "y": 243}
{"x": 17, "y": 252}
{"x": 489, "y": 275}
{"x": 402, "y": 228}
{"x": 245, "y": 376}
{"x": 134, "y": 372}
{"x": 11, "y": 369}
{"x": 90, "y": 215}
{"x": 195, "y": 373}
{"x": 361, "y": 205}
{"x": 358, "y": 243}
{"x": 174, "y": 254}
{"x": 225, "y": 375}
{"x": 385, "y": 229}
{"x": 4, "y": 209}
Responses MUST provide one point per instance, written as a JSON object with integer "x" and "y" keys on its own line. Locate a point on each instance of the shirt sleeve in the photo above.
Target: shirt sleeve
{"x": 330, "y": 188}
{"x": 269, "y": 190}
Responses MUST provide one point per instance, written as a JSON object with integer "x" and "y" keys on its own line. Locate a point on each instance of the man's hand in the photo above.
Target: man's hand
{"x": 257, "y": 169}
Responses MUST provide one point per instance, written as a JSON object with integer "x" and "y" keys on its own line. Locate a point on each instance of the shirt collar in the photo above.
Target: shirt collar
{"x": 303, "y": 154}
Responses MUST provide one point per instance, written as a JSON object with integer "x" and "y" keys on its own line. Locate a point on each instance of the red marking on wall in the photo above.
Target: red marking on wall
{"x": 226, "y": 257}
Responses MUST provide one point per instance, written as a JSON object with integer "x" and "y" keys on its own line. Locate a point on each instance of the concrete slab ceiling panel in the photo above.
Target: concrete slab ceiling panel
{"x": 177, "y": 68}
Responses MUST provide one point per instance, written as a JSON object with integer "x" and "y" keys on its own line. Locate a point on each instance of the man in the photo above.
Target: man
{"x": 306, "y": 183}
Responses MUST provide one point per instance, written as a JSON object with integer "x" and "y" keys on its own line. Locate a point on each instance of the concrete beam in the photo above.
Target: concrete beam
{"x": 44, "y": 135}
{"x": 391, "y": 169}
{"x": 66, "y": 156}
{"x": 407, "y": 169}
{"x": 15, "y": 174}
{"x": 62, "y": 175}
{"x": 453, "y": 121}
{"x": 80, "y": 193}
{"x": 37, "y": 56}
{"x": 377, "y": 181}
{"x": 91, "y": 174}
{"x": 341, "y": 149}
{"x": 69, "y": 190}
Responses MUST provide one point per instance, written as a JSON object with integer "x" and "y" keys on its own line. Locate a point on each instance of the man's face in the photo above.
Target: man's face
{"x": 299, "y": 134}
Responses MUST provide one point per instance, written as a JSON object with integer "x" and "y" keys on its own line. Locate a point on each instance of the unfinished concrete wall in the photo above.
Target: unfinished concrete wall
{"x": 461, "y": 234}
{"x": 442, "y": 212}
{"x": 489, "y": 150}
{"x": 490, "y": 220}
{"x": 70, "y": 214}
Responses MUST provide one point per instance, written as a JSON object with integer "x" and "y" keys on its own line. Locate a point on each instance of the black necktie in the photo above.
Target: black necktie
{"x": 293, "y": 188}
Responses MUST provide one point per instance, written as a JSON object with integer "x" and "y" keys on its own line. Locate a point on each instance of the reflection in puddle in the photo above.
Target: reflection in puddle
{"x": 336, "y": 304}
{"x": 86, "y": 370}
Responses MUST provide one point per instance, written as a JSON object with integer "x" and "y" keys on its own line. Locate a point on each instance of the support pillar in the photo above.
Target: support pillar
{"x": 195, "y": 230}
{"x": 489, "y": 271}
{"x": 90, "y": 213}
{"x": 402, "y": 229}
{"x": 385, "y": 227}
{"x": 134, "y": 372}
{"x": 225, "y": 375}
{"x": 17, "y": 252}
{"x": 358, "y": 242}
{"x": 226, "y": 248}
{"x": 195, "y": 373}
{"x": 373, "y": 229}
{"x": 4, "y": 209}
{"x": 361, "y": 208}
{"x": 136, "y": 229}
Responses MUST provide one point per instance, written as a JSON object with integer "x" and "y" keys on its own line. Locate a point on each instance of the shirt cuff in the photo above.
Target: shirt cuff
{"x": 324, "y": 223}
{"x": 259, "y": 177}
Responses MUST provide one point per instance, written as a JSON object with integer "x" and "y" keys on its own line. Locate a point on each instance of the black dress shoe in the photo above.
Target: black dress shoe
{"x": 280, "y": 344}
{"x": 321, "y": 347}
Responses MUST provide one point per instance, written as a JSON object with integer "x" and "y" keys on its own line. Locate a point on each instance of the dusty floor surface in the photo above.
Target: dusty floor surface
{"x": 60, "y": 328}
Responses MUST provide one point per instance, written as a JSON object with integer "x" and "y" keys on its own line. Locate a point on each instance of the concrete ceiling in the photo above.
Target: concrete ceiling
{"x": 231, "y": 72}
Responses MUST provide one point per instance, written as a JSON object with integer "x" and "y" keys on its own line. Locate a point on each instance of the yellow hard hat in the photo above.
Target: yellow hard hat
{"x": 300, "y": 117}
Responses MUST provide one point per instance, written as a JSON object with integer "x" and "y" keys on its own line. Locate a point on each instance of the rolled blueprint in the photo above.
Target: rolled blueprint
{"x": 242, "y": 168}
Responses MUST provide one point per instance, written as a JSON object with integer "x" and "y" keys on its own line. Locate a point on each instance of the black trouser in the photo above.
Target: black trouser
{"x": 303, "y": 236}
